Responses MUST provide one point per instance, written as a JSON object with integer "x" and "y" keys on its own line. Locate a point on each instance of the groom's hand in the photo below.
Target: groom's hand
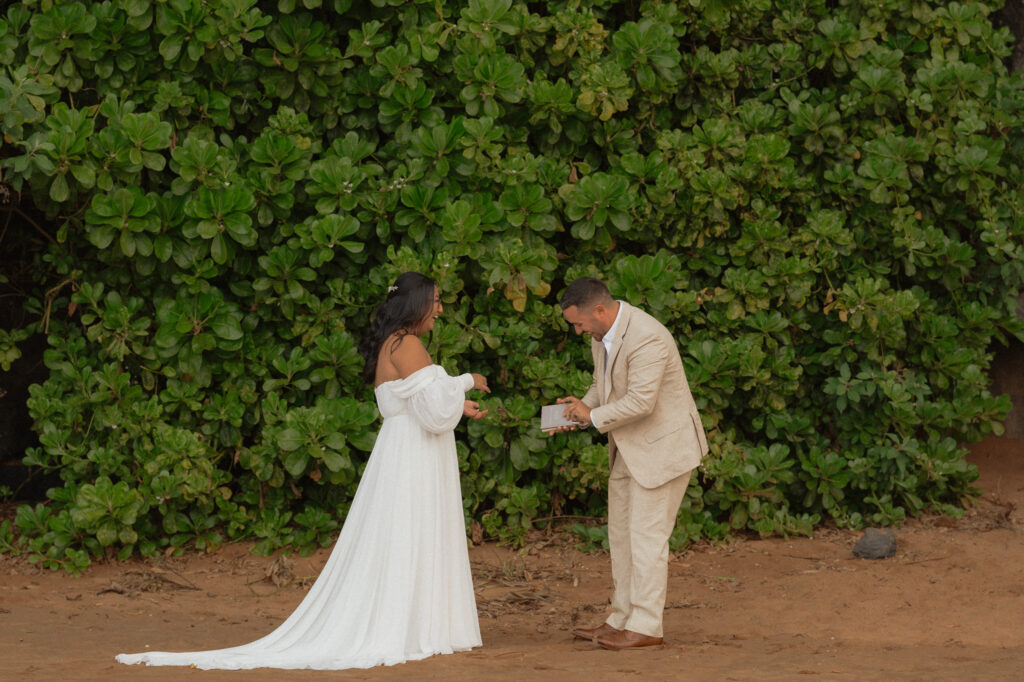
{"x": 575, "y": 410}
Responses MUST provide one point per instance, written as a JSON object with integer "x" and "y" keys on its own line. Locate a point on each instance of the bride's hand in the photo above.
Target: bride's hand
{"x": 471, "y": 409}
{"x": 480, "y": 383}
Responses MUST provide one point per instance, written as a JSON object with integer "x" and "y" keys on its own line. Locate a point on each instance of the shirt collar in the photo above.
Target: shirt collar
{"x": 609, "y": 336}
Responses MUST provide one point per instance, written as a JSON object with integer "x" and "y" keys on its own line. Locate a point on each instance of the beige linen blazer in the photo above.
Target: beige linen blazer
{"x": 642, "y": 400}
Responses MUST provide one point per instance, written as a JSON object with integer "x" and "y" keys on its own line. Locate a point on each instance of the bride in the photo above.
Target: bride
{"x": 397, "y": 586}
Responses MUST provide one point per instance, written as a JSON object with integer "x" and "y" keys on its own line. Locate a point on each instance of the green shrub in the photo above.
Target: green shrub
{"x": 822, "y": 200}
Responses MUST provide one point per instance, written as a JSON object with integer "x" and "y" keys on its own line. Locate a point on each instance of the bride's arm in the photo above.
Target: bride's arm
{"x": 439, "y": 405}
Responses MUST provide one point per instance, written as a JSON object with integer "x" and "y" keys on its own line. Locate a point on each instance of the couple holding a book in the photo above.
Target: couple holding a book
{"x": 397, "y": 586}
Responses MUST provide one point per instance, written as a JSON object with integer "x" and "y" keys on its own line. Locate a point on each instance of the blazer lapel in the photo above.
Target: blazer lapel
{"x": 620, "y": 336}
{"x": 600, "y": 364}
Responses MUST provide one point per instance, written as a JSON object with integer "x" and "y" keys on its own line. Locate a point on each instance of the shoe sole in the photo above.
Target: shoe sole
{"x": 629, "y": 648}
{"x": 589, "y": 638}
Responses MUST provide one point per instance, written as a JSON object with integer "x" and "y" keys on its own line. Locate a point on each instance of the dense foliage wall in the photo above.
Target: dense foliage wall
{"x": 821, "y": 199}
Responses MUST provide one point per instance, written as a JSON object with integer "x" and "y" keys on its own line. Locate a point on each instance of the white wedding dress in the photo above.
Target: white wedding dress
{"x": 397, "y": 586}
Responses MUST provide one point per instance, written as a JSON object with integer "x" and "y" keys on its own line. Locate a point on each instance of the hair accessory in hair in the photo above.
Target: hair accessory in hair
{"x": 392, "y": 289}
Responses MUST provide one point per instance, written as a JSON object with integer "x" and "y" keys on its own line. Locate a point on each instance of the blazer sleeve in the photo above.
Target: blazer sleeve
{"x": 647, "y": 363}
{"x": 592, "y": 398}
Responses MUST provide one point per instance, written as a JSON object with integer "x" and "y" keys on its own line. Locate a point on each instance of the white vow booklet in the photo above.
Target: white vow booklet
{"x": 551, "y": 417}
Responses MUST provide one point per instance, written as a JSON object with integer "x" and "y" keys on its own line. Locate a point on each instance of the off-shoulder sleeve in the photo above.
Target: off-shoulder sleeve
{"x": 435, "y": 399}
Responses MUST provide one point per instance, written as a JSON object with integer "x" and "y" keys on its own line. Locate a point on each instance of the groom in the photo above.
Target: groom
{"x": 641, "y": 399}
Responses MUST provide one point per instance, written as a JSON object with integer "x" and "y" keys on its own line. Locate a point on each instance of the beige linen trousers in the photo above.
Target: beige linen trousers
{"x": 640, "y": 398}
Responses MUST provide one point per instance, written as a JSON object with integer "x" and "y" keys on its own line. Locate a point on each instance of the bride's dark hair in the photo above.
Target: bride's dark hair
{"x": 409, "y": 301}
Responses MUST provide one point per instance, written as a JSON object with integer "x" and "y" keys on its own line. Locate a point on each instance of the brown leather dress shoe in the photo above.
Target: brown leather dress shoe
{"x": 593, "y": 633}
{"x": 627, "y": 639}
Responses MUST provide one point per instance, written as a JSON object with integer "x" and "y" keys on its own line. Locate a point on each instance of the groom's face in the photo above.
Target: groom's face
{"x": 588, "y": 320}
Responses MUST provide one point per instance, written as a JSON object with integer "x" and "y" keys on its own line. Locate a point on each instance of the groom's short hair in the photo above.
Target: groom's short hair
{"x": 586, "y": 292}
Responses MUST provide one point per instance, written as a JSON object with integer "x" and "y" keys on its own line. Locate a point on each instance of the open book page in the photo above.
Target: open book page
{"x": 551, "y": 417}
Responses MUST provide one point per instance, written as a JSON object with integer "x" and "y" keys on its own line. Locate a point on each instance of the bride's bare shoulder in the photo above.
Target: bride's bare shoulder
{"x": 408, "y": 354}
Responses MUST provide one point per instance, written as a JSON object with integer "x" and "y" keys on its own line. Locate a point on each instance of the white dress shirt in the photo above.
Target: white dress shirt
{"x": 609, "y": 336}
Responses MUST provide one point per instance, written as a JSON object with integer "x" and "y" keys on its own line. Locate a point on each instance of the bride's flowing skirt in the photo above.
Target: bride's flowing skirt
{"x": 397, "y": 586}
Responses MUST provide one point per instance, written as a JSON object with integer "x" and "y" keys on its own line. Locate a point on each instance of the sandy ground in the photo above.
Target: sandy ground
{"x": 948, "y": 606}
